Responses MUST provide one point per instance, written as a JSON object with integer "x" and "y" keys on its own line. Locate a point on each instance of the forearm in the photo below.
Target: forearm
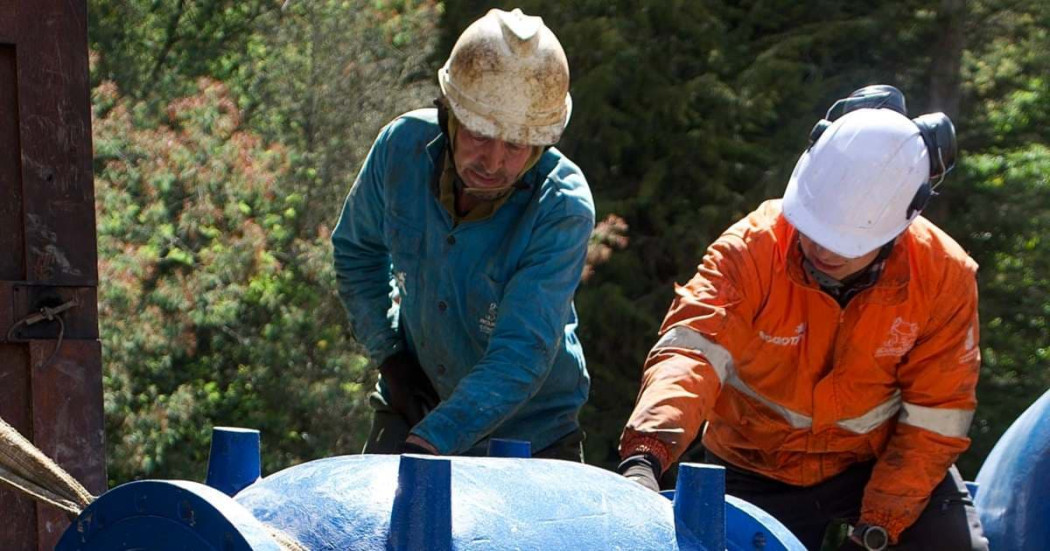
{"x": 678, "y": 390}
{"x": 481, "y": 402}
{"x": 914, "y": 462}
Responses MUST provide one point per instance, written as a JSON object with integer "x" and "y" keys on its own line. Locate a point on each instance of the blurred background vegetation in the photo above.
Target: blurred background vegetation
{"x": 227, "y": 133}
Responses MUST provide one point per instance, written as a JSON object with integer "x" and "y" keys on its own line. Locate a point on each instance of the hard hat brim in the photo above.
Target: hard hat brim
{"x": 487, "y": 121}
{"x": 848, "y": 242}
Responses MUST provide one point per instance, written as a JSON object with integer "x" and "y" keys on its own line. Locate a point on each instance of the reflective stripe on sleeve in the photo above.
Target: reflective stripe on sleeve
{"x": 722, "y": 362}
{"x": 795, "y": 419}
{"x": 875, "y": 416}
{"x": 954, "y": 423}
{"x": 684, "y": 337}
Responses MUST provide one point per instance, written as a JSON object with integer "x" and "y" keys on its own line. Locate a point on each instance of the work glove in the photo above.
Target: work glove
{"x": 409, "y": 391}
{"x": 644, "y": 469}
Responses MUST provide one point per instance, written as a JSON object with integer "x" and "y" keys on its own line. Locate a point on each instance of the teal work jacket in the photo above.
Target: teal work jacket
{"x": 486, "y": 306}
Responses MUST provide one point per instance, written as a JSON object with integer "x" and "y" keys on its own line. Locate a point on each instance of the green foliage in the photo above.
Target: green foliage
{"x": 325, "y": 76}
{"x": 156, "y": 50}
{"x": 1007, "y": 222}
{"x": 219, "y": 306}
{"x": 212, "y": 311}
{"x": 1000, "y": 204}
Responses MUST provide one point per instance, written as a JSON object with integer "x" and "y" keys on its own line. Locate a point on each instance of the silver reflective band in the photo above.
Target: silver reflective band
{"x": 683, "y": 337}
{"x": 946, "y": 422}
{"x": 722, "y": 362}
{"x": 875, "y": 416}
{"x": 794, "y": 418}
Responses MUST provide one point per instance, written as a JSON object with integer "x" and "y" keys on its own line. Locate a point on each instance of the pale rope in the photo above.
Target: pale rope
{"x": 25, "y": 468}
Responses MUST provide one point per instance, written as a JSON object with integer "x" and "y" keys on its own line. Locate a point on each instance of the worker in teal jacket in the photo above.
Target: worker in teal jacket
{"x": 459, "y": 249}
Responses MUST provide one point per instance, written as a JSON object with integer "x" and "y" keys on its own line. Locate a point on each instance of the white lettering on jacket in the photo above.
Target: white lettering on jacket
{"x": 488, "y": 322}
{"x": 793, "y": 340}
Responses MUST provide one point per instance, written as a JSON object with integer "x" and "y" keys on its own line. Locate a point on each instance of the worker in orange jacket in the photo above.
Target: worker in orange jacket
{"x": 830, "y": 341}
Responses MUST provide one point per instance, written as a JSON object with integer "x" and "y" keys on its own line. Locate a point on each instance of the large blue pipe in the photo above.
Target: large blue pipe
{"x": 1013, "y": 496}
{"x": 423, "y": 503}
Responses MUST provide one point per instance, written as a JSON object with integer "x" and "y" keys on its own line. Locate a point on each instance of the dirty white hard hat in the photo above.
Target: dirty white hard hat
{"x": 852, "y": 190}
{"x": 507, "y": 78}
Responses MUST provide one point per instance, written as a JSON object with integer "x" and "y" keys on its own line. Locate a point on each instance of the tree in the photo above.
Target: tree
{"x": 213, "y": 311}
{"x": 325, "y": 76}
{"x": 155, "y": 51}
{"x": 219, "y": 304}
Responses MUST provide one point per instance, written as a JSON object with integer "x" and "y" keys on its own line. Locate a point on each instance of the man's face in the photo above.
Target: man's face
{"x": 836, "y": 266}
{"x": 488, "y": 163}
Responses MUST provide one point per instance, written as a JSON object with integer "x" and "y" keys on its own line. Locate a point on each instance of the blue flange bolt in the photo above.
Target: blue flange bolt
{"x": 234, "y": 463}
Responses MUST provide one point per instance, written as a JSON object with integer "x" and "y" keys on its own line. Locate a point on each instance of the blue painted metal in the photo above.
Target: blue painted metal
{"x": 394, "y": 503}
{"x": 749, "y": 528}
{"x": 500, "y": 447}
{"x": 699, "y": 509}
{"x": 1014, "y": 501}
{"x": 361, "y": 503}
{"x": 497, "y": 504}
{"x": 166, "y": 516}
{"x": 422, "y": 512}
{"x": 234, "y": 462}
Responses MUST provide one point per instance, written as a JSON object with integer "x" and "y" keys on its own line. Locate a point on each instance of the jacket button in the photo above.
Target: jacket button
{"x": 442, "y": 306}
{"x": 441, "y": 369}
{"x": 451, "y": 240}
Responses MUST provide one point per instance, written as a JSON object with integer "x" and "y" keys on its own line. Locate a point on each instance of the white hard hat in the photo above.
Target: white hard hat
{"x": 507, "y": 78}
{"x": 852, "y": 191}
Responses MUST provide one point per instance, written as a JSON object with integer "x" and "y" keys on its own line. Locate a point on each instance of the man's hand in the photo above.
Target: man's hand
{"x": 643, "y": 469}
{"x": 409, "y": 390}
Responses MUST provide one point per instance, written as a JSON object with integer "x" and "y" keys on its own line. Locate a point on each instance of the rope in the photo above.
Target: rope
{"x": 48, "y": 314}
{"x": 27, "y": 469}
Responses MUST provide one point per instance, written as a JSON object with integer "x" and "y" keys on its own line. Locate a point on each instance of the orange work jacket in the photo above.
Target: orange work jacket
{"x": 797, "y": 388}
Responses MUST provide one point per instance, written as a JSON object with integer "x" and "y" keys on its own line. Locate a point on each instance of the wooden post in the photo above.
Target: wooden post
{"x": 48, "y": 255}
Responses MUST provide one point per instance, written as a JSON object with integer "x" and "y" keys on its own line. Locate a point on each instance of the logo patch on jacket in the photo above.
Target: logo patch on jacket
{"x": 488, "y": 322}
{"x": 792, "y": 340}
{"x": 901, "y": 339}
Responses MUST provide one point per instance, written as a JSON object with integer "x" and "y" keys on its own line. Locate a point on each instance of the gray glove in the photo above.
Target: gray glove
{"x": 644, "y": 469}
